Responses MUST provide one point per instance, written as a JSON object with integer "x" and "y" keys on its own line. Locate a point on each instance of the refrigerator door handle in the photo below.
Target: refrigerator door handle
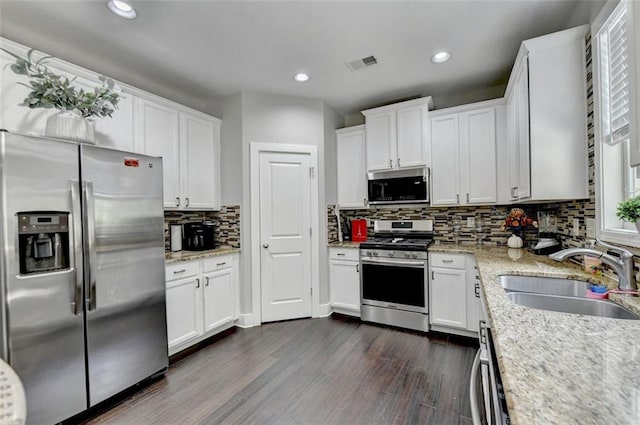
{"x": 77, "y": 246}
{"x": 90, "y": 232}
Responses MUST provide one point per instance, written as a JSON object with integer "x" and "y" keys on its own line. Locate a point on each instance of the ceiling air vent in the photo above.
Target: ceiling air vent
{"x": 362, "y": 63}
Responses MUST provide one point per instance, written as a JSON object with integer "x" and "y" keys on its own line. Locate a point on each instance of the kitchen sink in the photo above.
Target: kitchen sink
{"x": 563, "y": 295}
{"x": 545, "y": 285}
{"x": 586, "y": 306}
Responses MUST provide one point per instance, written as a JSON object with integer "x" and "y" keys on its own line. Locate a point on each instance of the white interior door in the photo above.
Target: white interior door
{"x": 285, "y": 235}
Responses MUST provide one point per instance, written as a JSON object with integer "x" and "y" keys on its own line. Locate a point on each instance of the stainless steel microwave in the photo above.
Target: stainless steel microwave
{"x": 399, "y": 187}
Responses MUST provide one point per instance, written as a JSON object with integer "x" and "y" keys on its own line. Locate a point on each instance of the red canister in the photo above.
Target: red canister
{"x": 358, "y": 230}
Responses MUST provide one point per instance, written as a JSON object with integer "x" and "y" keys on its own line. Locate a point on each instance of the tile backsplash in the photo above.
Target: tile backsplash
{"x": 449, "y": 223}
{"x": 226, "y": 224}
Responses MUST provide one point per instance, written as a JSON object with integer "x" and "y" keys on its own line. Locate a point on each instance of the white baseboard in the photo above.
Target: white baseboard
{"x": 247, "y": 321}
{"x": 324, "y": 310}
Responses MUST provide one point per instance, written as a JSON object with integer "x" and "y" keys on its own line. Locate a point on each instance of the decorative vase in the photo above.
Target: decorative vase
{"x": 515, "y": 253}
{"x": 514, "y": 241}
{"x": 69, "y": 125}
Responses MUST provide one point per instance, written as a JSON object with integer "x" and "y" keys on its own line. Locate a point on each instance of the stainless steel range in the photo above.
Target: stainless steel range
{"x": 394, "y": 277}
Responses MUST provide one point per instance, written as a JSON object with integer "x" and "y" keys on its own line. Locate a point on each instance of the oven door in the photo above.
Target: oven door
{"x": 396, "y": 284}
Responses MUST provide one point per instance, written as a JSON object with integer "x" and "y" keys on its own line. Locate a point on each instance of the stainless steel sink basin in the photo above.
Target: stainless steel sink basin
{"x": 545, "y": 285}
{"x": 574, "y": 305}
{"x": 557, "y": 294}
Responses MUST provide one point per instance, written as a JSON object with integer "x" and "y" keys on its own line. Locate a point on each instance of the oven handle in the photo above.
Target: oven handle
{"x": 473, "y": 395}
{"x": 414, "y": 264}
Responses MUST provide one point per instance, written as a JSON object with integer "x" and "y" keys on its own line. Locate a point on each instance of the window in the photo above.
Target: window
{"x": 617, "y": 180}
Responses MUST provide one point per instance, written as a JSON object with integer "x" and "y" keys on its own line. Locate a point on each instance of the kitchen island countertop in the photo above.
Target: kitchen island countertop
{"x": 558, "y": 368}
{"x": 179, "y": 256}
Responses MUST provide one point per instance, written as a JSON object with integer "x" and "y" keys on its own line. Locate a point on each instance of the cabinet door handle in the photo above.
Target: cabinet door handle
{"x": 186, "y": 202}
{"x": 457, "y": 198}
{"x": 514, "y": 192}
{"x": 365, "y": 201}
{"x": 179, "y": 271}
{"x": 477, "y": 289}
{"x": 398, "y": 162}
{"x": 177, "y": 201}
{"x": 197, "y": 282}
{"x": 206, "y": 281}
{"x": 357, "y": 268}
{"x": 265, "y": 245}
{"x": 221, "y": 264}
{"x": 432, "y": 275}
{"x": 467, "y": 198}
{"x": 391, "y": 163}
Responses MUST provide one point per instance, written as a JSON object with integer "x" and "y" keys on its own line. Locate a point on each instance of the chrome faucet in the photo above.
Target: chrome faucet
{"x": 622, "y": 266}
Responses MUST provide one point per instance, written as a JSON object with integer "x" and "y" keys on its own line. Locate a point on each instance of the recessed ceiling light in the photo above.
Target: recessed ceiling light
{"x": 122, "y": 8}
{"x": 441, "y": 57}
{"x": 301, "y": 77}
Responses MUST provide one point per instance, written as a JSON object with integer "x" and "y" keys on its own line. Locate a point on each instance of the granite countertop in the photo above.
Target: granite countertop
{"x": 344, "y": 244}
{"x": 558, "y": 368}
{"x": 177, "y": 257}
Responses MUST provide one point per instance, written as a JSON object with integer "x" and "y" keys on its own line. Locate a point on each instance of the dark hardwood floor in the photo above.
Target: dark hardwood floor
{"x": 333, "y": 370}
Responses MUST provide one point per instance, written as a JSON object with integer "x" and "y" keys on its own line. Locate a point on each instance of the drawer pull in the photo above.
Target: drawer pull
{"x": 477, "y": 290}
{"x": 221, "y": 264}
{"x": 179, "y": 271}
{"x": 447, "y": 261}
{"x": 340, "y": 254}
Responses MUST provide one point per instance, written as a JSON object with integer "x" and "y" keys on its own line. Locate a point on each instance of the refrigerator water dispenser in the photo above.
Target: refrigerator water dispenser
{"x": 43, "y": 239}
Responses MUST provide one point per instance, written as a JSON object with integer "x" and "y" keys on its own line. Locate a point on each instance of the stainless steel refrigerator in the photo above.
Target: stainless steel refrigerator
{"x": 82, "y": 272}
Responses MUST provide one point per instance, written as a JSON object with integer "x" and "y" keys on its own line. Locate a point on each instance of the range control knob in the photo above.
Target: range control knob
{"x": 414, "y": 255}
{"x": 391, "y": 254}
{"x": 407, "y": 255}
{"x": 375, "y": 253}
{"x": 368, "y": 253}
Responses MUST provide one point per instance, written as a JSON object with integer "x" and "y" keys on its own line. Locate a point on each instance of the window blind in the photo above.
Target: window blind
{"x": 614, "y": 68}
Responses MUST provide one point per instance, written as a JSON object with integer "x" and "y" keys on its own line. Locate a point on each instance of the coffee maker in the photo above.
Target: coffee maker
{"x": 547, "y": 234}
{"x": 43, "y": 240}
{"x": 198, "y": 236}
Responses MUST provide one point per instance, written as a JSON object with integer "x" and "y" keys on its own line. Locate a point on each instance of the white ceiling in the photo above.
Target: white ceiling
{"x": 197, "y": 52}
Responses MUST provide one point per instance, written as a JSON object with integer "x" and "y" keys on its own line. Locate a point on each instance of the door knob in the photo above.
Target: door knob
{"x": 265, "y": 245}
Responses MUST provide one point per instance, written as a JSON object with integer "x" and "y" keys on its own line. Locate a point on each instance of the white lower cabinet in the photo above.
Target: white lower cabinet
{"x": 202, "y": 299}
{"x": 344, "y": 280}
{"x": 218, "y": 290}
{"x": 453, "y": 304}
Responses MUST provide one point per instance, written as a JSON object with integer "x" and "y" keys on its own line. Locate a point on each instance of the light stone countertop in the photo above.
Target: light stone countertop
{"x": 344, "y": 244}
{"x": 180, "y": 256}
{"x": 558, "y": 368}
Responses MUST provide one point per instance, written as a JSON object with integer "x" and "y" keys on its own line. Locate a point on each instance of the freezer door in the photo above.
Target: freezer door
{"x": 124, "y": 279}
{"x": 42, "y": 329}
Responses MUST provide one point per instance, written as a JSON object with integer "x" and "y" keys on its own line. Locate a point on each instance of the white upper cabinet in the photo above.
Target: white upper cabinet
{"x": 380, "y": 139}
{"x": 199, "y": 160}
{"x": 478, "y": 155}
{"x": 397, "y": 135}
{"x": 411, "y": 122}
{"x": 464, "y": 144}
{"x": 547, "y": 118}
{"x": 187, "y": 140}
{"x": 157, "y": 134}
{"x": 352, "y": 169}
{"x": 116, "y": 131}
{"x": 445, "y": 177}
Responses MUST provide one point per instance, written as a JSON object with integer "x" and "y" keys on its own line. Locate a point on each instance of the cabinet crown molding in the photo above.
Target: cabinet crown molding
{"x": 414, "y": 102}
